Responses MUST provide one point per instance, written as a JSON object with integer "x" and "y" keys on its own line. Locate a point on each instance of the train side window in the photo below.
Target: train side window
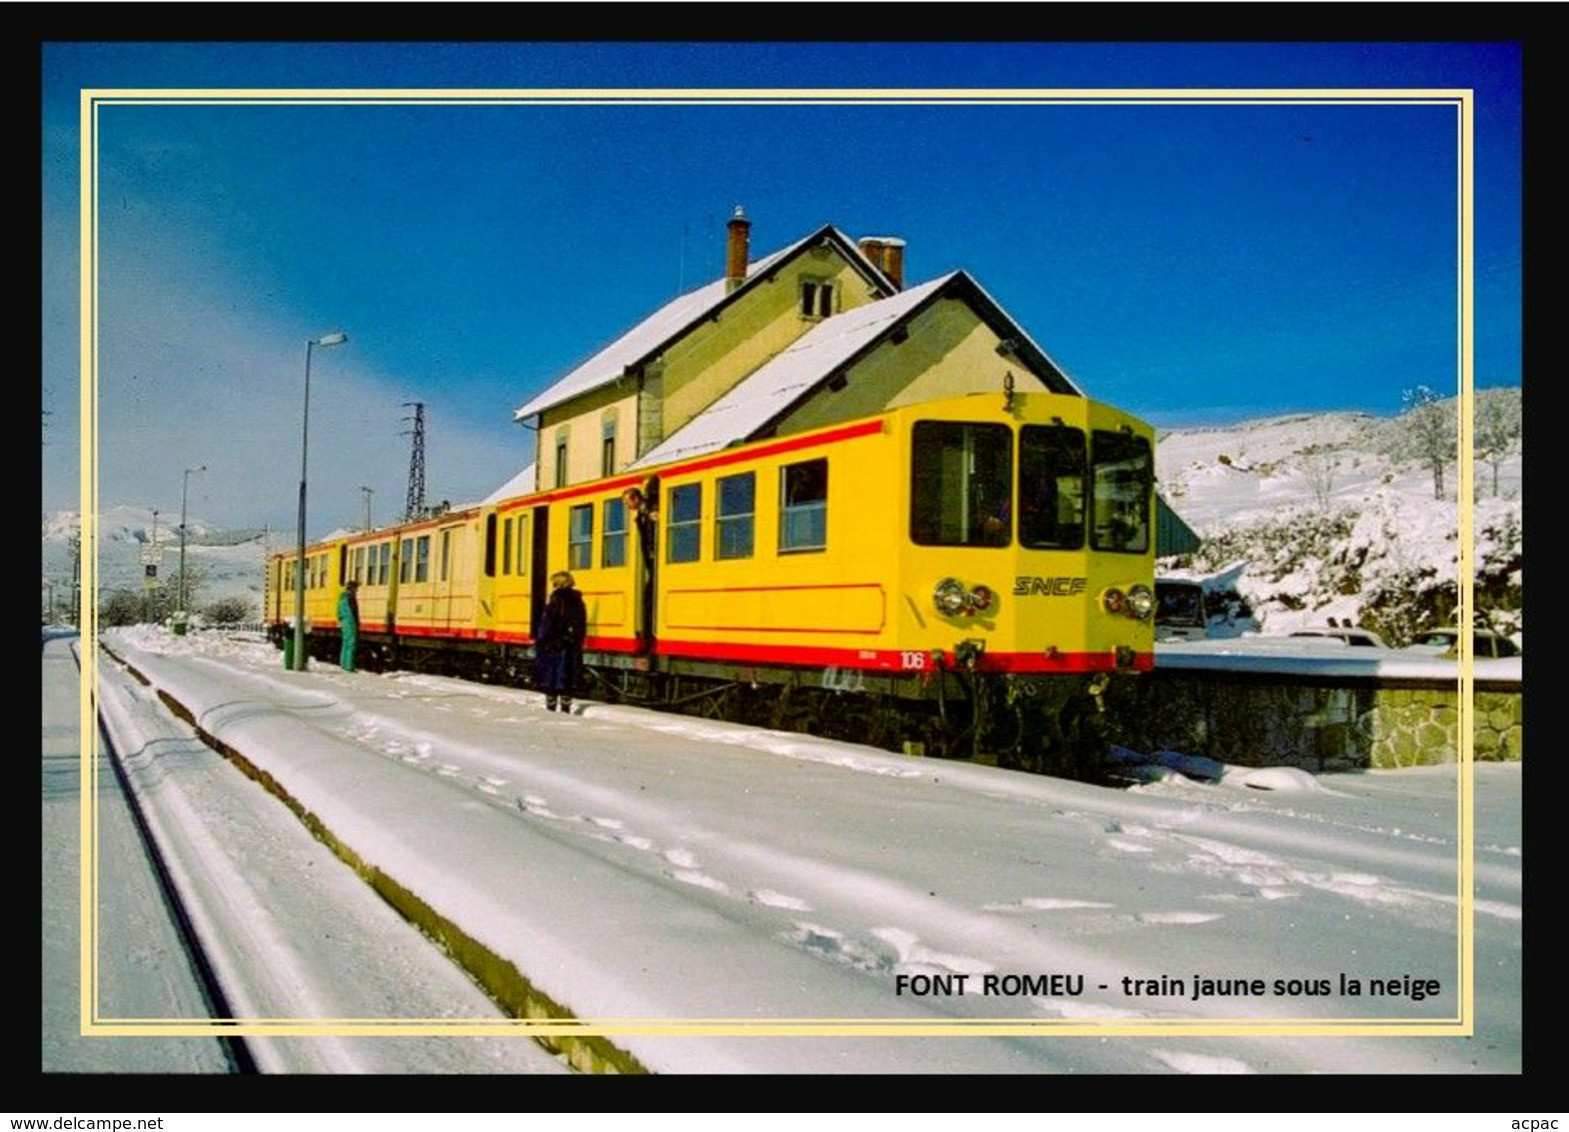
{"x": 506, "y": 547}
{"x": 686, "y": 523}
{"x": 736, "y": 510}
{"x": 1122, "y": 472}
{"x": 613, "y": 544}
{"x": 522, "y": 545}
{"x": 446, "y": 549}
{"x": 405, "y": 559}
{"x": 422, "y": 559}
{"x": 580, "y": 537}
{"x": 385, "y": 573}
{"x": 490, "y": 546}
{"x": 803, "y": 509}
{"x": 961, "y": 489}
{"x": 1051, "y": 487}
{"x": 359, "y": 564}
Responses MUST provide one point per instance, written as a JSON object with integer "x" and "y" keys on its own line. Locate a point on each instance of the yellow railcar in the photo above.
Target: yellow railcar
{"x": 979, "y": 554}
{"x": 323, "y": 584}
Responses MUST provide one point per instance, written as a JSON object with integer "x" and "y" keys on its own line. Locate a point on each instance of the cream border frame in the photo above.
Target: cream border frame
{"x": 92, "y": 100}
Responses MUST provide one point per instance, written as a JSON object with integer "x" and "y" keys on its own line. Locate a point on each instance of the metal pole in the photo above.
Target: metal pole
{"x": 184, "y": 493}
{"x": 147, "y": 590}
{"x": 299, "y": 559}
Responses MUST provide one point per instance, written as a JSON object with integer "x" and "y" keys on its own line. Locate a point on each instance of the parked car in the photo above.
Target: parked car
{"x": 1484, "y": 643}
{"x": 1357, "y": 638}
{"x": 1179, "y": 610}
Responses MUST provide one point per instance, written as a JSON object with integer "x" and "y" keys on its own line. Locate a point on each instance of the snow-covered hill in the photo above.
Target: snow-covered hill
{"x": 1309, "y": 517}
{"x": 222, "y": 563}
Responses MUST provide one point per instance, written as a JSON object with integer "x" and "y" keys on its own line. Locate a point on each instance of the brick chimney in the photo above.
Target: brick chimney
{"x": 893, "y": 261}
{"x": 887, "y": 255}
{"x": 737, "y": 248}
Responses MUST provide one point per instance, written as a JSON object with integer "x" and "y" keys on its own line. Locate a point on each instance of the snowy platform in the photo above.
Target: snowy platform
{"x": 1299, "y": 656}
{"x": 647, "y": 871}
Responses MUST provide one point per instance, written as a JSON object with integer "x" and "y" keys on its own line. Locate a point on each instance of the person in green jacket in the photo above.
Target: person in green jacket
{"x": 348, "y": 624}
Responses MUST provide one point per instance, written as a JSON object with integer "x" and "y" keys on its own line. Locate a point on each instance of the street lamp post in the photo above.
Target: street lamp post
{"x": 185, "y": 491}
{"x": 324, "y": 341}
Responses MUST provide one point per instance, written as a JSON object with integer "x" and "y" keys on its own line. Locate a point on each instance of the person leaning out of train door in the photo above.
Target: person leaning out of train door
{"x": 558, "y": 654}
{"x": 645, "y": 519}
{"x": 349, "y": 624}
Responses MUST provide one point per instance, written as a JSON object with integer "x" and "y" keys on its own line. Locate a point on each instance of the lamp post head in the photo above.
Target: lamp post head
{"x": 334, "y": 339}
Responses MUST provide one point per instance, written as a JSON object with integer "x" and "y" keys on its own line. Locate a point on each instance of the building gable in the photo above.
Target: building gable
{"x": 659, "y": 375}
{"x": 941, "y": 339}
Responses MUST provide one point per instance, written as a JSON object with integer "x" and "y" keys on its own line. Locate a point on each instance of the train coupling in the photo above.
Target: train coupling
{"x": 1097, "y": 689}
{"x": 968, "y": 652}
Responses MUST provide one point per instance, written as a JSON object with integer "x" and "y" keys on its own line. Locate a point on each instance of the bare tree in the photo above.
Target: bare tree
{"x": 1426, "y": 430}
{"x": 1318, "y": 462}
{"x": 1497, "y": 427}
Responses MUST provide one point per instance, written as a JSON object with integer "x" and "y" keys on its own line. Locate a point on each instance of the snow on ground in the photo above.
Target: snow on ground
{"x": 143, "y": 972}
{"x": 644, "y": 866}
{"x": 290, "y": 931}
{"x": 1223, "y": 479}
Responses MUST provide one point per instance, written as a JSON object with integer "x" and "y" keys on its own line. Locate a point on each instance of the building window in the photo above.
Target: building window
{"x": 961, "y": 484}
{"x": 561, "y": 459}
{"x": 803, "y": 506}
{"x": 736, "y": 510}
{"x": 422, "y": 559}
{"x": 686, "y": 523}
{"x": 506, "y": 547}
{"x": 613, "y": 550}
{"x": 607, "y": 445}
{"x": 446, "y": 550}
{"x": 817, "y": 298}
{"x": 580, "y": 537}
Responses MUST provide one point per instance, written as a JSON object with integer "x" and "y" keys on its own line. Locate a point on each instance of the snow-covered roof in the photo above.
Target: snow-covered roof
{"x": 771, "y": 389}
{"x": 671, "y": 320}
{"x": 793, "y": 372}
{"x": 520, "y": 484}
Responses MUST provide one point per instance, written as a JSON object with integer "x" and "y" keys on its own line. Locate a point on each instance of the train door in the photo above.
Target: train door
{"x": 539, "y": 569}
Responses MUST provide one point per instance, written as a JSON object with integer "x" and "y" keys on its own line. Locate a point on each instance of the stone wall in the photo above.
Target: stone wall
{"x": 1263, "y": 720}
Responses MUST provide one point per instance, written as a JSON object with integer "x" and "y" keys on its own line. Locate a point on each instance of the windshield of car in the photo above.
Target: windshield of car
{"x": 1179, "y": 603}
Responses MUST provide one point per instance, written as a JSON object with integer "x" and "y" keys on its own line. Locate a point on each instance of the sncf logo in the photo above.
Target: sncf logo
{"x": 1047, "y": 587}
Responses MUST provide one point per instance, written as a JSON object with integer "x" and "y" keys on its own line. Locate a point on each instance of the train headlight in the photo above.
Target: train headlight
{"x": 950, "y": 597}
{"x": 1141, "y": 602}
{"x": 1113, "y": 600}
{"x": 981, "y": 598}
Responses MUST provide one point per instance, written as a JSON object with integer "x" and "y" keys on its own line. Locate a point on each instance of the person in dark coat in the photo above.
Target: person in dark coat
{"x": 558, "y": 652}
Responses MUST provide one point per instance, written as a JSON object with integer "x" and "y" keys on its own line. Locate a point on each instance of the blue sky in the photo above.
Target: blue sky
{"x": 1193, "y": 264}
